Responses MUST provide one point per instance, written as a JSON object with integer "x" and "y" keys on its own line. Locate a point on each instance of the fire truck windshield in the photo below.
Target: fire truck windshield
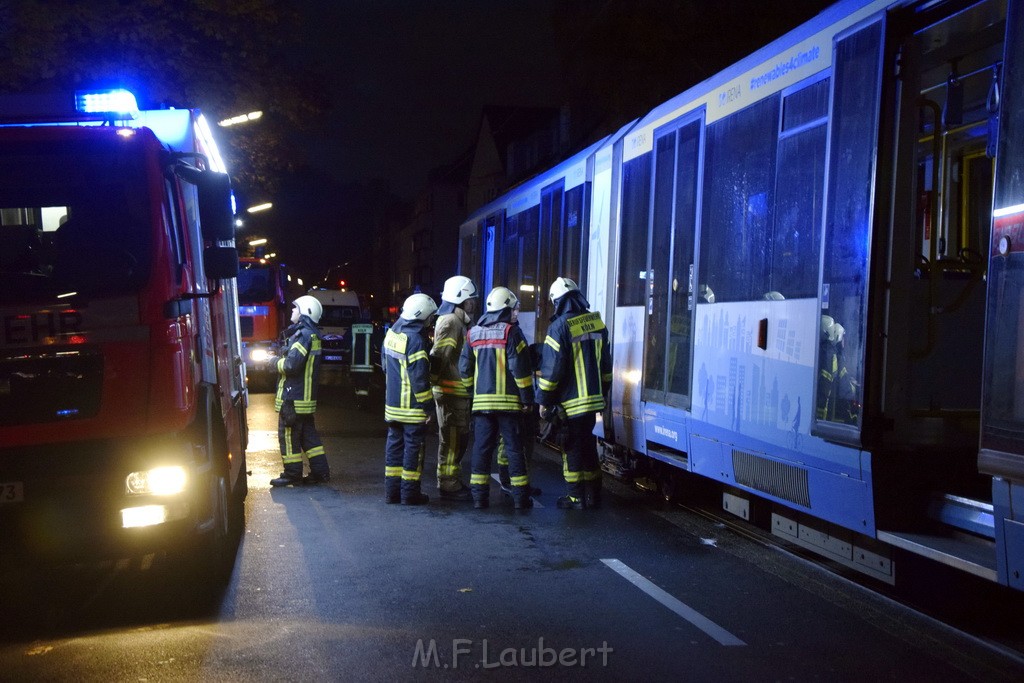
{"x": 73, "y": 220}
{"x": 255, "y": 284}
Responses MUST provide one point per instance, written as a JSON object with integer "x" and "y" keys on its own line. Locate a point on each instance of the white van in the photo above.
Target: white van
{"x": 341, "y": 311}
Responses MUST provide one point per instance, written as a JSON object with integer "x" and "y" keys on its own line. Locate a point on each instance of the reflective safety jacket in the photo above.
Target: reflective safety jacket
{"x": 576, "y": 363}
{"x": 299, "y": 368}
{"x": 449, "y": 336}
{"x": 495, "y": 363}
{"x": 407, "y": 396}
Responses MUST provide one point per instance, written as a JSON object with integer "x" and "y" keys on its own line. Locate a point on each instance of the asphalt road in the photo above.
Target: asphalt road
{"x": 332, "y": 584}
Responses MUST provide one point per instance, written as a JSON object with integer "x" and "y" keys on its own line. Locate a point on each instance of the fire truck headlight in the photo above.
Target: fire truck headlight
{"x": 259, "y": 355}
{"x": 161, "y": 481}
{"x": 147, "y": 515}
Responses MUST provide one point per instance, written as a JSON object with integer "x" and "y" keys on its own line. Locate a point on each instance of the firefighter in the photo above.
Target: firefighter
{"x": 295, "y": 402}
{"x": 495, "y": 362}
{"x": 576, "y": 374}
{"x": 407, "y": 400}
{"x": 451, "y": 397}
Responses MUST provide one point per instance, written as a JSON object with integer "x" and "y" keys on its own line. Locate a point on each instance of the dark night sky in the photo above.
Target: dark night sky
{"x": 408, "y": 78}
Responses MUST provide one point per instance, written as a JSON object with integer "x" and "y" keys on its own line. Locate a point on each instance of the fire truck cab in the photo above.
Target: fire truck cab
{"x": 122, "y": 389}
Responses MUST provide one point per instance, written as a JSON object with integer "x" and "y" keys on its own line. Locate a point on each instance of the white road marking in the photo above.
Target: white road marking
{"x": 691, "y": 615}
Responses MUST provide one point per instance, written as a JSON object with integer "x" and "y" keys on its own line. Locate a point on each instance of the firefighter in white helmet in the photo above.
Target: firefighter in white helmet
{"x": 407, "y": 400}
{"x": 496, "y": 363}
{"x": 295, "y": 402}
{"x": 575, "y": 376}
{"x": 451, "y": 397}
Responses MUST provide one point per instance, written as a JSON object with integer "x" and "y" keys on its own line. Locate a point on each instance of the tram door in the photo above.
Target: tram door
{"x": 670, "y": 263}
{"x": 1002, "y": 409}
{"x": 947, "y": 88}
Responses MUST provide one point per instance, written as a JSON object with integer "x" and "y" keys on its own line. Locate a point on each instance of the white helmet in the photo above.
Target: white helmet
{"x": 418, "y": 307}
{"x": 839, "y": 333}
{"x": 560, "y": 287}
{"x": 828, "y": 328}
{"x": 457, "y": 289}
{"x": 309, "y": 306}
{"x": 501, "y": 297}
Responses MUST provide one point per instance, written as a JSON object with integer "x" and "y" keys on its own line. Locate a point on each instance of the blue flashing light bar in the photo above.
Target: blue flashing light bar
{"x": 115, "y": 102}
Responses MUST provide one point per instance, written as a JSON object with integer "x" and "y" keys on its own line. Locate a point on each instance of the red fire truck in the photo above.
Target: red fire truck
{"x": 122, "y": 396}
{"x": 266, "y": 290}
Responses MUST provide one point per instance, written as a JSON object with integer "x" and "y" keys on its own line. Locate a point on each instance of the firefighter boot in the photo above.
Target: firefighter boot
{"x": 481, "y": 496}
{"x": 292, "y": 476}
{"x": 521, "y": 497}
{"x": 504, "y": 480}
{"x": 392, "y": 490}
{"x": 569, "y": 503}
{"x": 411, "y": 494}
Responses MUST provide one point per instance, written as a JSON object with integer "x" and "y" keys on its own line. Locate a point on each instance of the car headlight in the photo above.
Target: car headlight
{"x": 160, "y": 481}
{"x": 259, "y": 355}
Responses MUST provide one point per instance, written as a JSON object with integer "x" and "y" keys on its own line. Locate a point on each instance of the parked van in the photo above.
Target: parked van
{"x": 341, "y": 311}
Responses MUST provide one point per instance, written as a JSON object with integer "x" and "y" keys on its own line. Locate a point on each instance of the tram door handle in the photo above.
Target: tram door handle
{"x": 762, "y": 334}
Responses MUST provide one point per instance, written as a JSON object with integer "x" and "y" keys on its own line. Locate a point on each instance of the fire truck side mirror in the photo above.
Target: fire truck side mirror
{"x": 220, "y": 263}
{"x": 215, "y": 214}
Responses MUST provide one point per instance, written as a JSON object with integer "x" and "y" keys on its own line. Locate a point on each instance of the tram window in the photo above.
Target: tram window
{"x": 738, "y": 186}
{"x": 796, "y": 241}
{"x": 636, "y": 198}
{"x": 849, "y": 215}
{"x": 805, "y": 105}
{"x": 575, "y": 220}
{"x": 550, "y": 232}
{"x": 516, "y": 264}
{"x": 469, "y": 257}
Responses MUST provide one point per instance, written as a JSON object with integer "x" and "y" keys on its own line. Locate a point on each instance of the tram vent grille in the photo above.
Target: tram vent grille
{"x": 774, "y": 478}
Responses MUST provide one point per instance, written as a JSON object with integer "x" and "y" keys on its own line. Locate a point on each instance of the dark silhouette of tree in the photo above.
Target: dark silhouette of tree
{"x": 225, "y": 56}
{"x": 627, "y": 56}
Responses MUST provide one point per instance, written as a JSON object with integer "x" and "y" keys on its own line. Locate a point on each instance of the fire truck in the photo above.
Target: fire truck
{"x": 266, "y": 290}
{"x": 122, "y": 388}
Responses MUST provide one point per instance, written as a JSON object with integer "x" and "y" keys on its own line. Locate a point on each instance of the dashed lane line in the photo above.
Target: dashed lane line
{"x": 685, "y": 611}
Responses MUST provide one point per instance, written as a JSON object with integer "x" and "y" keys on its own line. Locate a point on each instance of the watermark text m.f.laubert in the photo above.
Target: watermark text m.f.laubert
{"x": 484, "y": 655}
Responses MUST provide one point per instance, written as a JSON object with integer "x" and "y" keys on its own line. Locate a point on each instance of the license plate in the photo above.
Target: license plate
{"x": 337, "y": 358}
{"x": 11, "y": 492}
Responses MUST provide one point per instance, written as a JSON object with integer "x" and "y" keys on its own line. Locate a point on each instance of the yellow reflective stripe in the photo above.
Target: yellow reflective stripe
{"x": 500, "y": 371}
{"x": 424, "y": 396}
{"x": 524, "y": 382}
{"x": 392, "y": 471}
{"x": 307, "y": 382}
{"x": 581, "y": 368}
{"x": 410, "y": 475}
{"x": 546, "y": 385}
{"x": 444, "y": 343}
{"x": 550, "y": 341}
{"x": 520, "y": 346}
{"x": 419, "y": 355}
{"x": 479, "y": 479}
{"x": 405, "y": 397}
{"x": 315, "y": 451}
{"x": 571, "y": 477}
{"x": 487, "y": 402}
{"x": 305, "y": 407}
{"x": 409, "y": 416}
{"x": 300, "y": 347}
{"x": 520, "y": 481}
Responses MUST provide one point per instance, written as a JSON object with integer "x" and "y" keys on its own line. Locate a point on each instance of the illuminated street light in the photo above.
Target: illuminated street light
{"x": 256, "y": 243}
{"x": 259, "y": 207}
{"x": 241, "y": 118}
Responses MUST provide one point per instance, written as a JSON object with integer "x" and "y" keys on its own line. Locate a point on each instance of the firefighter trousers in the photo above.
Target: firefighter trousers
{"x": 487, "y": 427}
{"x": 298, "y": 439}
{"x": 453, "y": 415}
{"x": 580, "y": 465}
{"x": 403, "y": 460}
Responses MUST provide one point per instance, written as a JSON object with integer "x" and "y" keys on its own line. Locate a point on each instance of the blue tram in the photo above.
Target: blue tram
{"x": 812, "y": 267}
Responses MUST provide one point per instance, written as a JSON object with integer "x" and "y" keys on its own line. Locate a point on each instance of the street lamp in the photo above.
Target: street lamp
{"x": 241, "y": 118}
{"x": 259, "y": 207}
